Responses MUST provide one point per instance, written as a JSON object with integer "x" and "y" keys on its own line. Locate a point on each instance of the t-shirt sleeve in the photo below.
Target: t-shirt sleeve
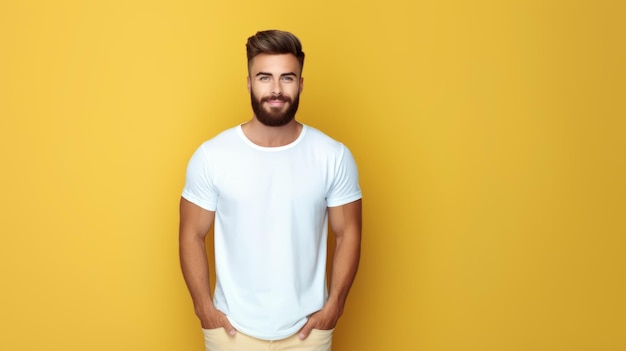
{"x": 198, "y": 183}
{"x": 345, "y": 186}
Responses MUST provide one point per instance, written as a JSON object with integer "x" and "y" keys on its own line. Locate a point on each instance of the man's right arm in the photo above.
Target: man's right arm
{"x": 195, "y": 223}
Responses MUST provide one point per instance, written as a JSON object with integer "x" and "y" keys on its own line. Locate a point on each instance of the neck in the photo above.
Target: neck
{"x": 266, "y": 136}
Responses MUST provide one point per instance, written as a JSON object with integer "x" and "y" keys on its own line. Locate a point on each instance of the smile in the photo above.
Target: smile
{"x": 276, "y": 103}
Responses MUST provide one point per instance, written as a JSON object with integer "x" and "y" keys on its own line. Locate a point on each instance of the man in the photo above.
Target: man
{"x": 271, "y": 185}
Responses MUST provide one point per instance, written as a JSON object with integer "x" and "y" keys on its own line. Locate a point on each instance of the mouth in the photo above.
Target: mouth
{"x": 277, "y": 102}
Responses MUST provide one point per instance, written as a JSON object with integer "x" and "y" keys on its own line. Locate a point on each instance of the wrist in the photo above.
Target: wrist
{"x": 205, "y": 306}
{"x": 334, "y": 305}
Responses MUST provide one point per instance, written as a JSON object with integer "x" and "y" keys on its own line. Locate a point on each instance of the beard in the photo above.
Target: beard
{"x": 274, "y": 117}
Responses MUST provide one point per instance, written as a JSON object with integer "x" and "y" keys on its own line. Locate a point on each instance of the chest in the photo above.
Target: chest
{"x": 302, "y": 179}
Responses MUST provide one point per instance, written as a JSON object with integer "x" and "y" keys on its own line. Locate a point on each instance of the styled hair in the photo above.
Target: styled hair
{"x": 274, "y": 42}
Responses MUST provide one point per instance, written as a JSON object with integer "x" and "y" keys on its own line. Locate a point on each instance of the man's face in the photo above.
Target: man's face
{"x": 275, "y": 85}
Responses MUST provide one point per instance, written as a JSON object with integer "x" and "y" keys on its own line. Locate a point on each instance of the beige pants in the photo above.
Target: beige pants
{"x": 219, "y": 340}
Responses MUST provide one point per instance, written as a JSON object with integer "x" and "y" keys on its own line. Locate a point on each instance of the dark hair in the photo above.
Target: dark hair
{"x": 274, "y": 42}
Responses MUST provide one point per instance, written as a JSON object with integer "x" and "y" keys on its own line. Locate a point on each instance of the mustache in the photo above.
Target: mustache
{"x": 275, "y": 98}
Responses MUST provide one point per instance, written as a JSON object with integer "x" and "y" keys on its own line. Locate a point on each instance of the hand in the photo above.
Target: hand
{"x": 324, "y": 319}
{"x": 212, "y": 318}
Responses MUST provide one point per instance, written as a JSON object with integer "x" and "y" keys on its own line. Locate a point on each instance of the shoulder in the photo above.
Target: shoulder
{"x": 322, "y": 141}
{"x": 211, "y": 150}
{"x": 226, "y": 136}
{"x": 221, "y": 140}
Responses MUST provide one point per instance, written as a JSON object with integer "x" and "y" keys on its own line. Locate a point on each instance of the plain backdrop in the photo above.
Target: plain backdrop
{"x": 489, "y": 137}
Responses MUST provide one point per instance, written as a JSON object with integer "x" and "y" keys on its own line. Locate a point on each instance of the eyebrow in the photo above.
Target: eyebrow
{"x": 282, "y": 75}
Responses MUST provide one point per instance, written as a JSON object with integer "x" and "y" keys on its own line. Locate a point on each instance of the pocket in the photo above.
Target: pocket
{"x": 215, "y": 339}
{"x": 322, "y": 339}
{"x": 325, "y": 332}
{"x": 214, "y": 330}
{"x": 322, "y": 333}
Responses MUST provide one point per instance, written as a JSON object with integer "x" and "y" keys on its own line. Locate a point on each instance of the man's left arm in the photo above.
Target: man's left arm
{"x": 345, "y": 222}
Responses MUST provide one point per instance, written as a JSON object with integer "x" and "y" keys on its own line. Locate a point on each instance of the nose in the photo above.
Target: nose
{"x": 277, "y": 89}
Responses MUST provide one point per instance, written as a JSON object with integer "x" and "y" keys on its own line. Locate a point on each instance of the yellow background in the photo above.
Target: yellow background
{"x": 490, "y": 138}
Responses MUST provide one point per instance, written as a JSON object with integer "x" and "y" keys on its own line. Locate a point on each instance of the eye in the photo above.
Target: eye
{"x": 287, "y": 78}
{"x": 264, "y": 78}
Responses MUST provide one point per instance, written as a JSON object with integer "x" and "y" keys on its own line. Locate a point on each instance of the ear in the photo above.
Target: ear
{"x": 248, "y": 83}
{"x": 301, "y": 84}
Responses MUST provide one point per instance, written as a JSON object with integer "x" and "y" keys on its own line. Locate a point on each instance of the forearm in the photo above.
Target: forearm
{"x": 344, "y": 267}
{"x": 194, "y": 264}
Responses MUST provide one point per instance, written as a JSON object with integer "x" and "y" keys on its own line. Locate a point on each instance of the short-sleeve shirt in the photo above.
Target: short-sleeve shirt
{"x": 271, "y": 223}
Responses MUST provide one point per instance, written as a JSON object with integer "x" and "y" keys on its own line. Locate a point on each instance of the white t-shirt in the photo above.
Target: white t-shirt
{"x": 271, "y": 220}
